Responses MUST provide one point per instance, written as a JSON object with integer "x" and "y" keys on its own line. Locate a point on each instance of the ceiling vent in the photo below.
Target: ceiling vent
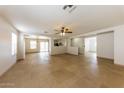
{"x": 69, "y": 8}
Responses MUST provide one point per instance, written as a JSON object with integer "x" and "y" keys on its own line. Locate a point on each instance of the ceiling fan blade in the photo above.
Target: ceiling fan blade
{"x": 68, "y": 32}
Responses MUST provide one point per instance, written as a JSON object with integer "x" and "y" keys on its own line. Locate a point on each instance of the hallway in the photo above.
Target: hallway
{"x": 42, "y": 70}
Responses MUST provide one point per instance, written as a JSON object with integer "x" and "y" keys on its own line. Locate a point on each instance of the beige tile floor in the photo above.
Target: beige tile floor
{"x": 39, "y": 70}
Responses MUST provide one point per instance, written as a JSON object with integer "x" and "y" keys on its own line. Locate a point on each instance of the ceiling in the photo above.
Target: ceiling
{"x": 38, "y": 19}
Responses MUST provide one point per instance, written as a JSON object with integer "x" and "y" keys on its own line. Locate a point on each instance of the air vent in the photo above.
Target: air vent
{"x": 69, "y": 8}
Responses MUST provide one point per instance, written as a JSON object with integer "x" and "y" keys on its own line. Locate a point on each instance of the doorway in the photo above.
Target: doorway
{"x": 90, "y": 44}
{"x": 44, "y": 46}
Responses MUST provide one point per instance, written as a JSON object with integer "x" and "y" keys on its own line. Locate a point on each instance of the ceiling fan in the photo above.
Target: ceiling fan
{"x": 63, "y": 31}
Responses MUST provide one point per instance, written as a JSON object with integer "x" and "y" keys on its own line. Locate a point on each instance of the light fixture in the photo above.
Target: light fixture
{"x": 62, "y": 33}
{"x": 63, "y": 30}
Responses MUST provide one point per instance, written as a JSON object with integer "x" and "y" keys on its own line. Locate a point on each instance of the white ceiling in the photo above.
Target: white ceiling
{"x": 37, "y": 19}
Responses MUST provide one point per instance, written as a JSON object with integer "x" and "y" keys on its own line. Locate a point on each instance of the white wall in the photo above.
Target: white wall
{"x": 21, "y": 46}
{"x": 105, "y": 45}
{"x": 78, "y": 42}
{"x": 6, "y": 58}
{"x": 70, "y": 48}
{"x": 73, "y": 50}
{"x": 119, "y": 46}
{"x": 58, "y": 49}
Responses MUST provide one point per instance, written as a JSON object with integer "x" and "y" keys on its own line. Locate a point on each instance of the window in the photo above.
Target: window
{"x": 33, "y": 44}
{"x": 14, "y": 44}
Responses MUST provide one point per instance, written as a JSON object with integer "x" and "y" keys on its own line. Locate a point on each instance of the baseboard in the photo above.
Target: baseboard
{"x": 119, "y": 65}
{"x": 20, "y": 59}
{"x": 57, "y": 54}
{"x": 105, "y": 58}
{"x": 31, "y": 52}
{"x": 72, "y": 54}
